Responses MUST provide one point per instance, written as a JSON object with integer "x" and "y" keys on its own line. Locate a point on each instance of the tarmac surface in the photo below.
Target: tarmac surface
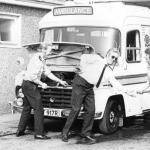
{"x": 134, "y": 136}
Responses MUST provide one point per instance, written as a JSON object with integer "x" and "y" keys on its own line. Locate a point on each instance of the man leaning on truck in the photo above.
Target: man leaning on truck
{"x": 32, "y": 97}
{"x": 82, "y": 93}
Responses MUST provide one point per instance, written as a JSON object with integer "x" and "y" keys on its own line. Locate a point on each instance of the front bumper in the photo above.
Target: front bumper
{"x": 53, "y": 112}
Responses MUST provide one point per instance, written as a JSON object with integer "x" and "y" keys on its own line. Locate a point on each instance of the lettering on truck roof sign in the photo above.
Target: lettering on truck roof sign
{"x": 74, "y": 10}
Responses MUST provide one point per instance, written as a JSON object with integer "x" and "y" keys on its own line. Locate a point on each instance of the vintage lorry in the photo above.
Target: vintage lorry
{"x": 71, "y": 28}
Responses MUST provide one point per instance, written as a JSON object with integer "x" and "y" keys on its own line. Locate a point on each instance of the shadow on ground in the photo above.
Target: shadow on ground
{"x": 135, "y": 128}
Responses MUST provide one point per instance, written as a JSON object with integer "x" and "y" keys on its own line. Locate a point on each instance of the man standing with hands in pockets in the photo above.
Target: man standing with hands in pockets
{"x": 32, "y": 97}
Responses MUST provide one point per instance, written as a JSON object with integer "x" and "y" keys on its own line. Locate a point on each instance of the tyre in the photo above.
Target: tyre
{"x": 110, "y": 121}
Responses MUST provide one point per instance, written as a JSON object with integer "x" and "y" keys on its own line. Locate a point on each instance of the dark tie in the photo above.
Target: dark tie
{"x": 101, "y": 76}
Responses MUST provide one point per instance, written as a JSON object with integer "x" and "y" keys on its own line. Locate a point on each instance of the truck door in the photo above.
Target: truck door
{"x": 132, "y": 75}
{"x": 136, "y": 67}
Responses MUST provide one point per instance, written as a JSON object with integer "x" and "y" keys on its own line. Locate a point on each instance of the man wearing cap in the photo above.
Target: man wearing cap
{"x": 32, "y": 97}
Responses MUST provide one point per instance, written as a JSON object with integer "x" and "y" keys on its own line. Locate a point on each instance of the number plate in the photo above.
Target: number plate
{"x": 52, "y": 112}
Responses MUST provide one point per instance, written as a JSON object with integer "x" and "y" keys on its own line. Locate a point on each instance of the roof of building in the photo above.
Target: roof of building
{"x": 44, "y": 4}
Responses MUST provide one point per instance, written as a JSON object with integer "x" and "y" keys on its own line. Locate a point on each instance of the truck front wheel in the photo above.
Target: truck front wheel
{"x": 110, "y": 121}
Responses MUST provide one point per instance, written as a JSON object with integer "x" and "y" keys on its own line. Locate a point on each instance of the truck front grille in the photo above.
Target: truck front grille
{"x": 56, "y": 97}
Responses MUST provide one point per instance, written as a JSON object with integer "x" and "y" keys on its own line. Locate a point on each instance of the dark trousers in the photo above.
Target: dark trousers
{"x": 82, "y": 93}
{"x": 32, "y": 99}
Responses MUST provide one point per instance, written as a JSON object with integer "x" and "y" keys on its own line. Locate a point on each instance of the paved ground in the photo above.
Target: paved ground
{"x": 134, "y": 136}
{"x": 8, "y": 123}
{"x": 4, "y": 108}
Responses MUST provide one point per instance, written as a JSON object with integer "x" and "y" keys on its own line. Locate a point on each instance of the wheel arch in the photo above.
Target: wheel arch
{"x": 111, "y": 123}
{"x": 120, "y": 100}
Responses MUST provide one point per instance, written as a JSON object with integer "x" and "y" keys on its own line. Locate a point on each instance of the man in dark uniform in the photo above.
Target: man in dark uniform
{"x": 32, "y": 97}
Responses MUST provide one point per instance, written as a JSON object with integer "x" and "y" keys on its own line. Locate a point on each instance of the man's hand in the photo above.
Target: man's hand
{"x": 20, "y": 94}
{"x": 64, "y": 83}
{"x": 44, "y": 86}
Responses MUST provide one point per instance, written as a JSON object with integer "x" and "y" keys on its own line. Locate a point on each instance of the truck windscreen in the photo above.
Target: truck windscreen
{"x": 101, "y": 38}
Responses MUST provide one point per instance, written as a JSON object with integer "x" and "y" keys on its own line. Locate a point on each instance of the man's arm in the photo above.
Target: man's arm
{"x": 51, "y": 76}
{"x": 37, "y": 81}
{"x": 115, "y": 83}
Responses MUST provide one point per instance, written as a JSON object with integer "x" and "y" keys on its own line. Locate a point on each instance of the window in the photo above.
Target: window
{"x": 9, "y": 30}
{"x": 101, "y": 38}
{"x": 133, "y": 47}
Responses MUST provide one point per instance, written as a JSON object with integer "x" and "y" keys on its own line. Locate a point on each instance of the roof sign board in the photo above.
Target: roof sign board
{"x": 73, "y": 10}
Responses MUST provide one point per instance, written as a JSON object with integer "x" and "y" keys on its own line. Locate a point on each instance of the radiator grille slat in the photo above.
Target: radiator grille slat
{"x": 57, "y": 101}
{"x": 56, "y": 96}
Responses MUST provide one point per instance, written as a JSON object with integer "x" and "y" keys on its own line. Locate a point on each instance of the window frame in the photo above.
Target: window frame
{"x": 17, "y": 33}
{"x": 135, "y": 48}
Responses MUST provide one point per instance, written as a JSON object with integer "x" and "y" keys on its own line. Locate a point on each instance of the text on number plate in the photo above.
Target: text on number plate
{"x": 52, "y": 112}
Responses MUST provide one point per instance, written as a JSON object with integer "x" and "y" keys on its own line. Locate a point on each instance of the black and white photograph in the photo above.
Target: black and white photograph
{"x": 75, "y": 74}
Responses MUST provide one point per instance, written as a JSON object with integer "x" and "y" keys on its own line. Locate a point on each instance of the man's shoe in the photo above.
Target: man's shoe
{"x": 87, "y": 140}
{"x": 64, "y": 137}
{"x": 19, "y": 133}
{"x": 41, "y": 137}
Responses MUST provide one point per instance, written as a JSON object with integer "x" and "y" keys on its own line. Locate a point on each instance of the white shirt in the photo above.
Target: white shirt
{"x": 109, "y": 77}
{"x": 91, "y": 69}
{"x": 19, "y": 78}
{"x": 91, "y": 66}
{"x": 36, "y": 67}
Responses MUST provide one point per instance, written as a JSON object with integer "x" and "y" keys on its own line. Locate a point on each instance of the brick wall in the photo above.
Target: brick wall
{"x": 8, "y": 56}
